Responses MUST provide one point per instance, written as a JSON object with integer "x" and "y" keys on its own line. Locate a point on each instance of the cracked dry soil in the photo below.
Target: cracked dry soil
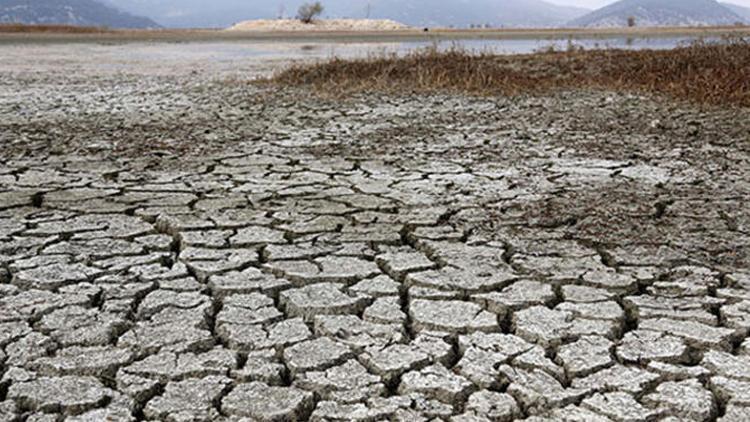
{"x": 177, "y": 244}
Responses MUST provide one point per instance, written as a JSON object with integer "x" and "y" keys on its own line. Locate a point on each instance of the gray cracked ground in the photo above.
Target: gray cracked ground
{"x": 203, "y": 249}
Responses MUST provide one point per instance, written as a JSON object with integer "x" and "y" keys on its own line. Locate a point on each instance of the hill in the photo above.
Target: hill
{"x": 327, "y": 25}
{"x": 739, "y": 10}
{"x": 659, "y": 13}
{"x": 69, "y": 12}
{"x": 444, "y": 13}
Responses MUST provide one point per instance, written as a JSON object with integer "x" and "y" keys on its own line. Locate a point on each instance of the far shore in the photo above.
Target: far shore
{"x": 433, "y": 34}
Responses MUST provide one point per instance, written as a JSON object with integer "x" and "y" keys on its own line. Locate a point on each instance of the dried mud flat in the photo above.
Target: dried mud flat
{"x": 178, "y": 244}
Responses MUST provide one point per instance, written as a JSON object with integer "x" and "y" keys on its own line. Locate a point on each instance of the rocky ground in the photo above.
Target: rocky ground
{"x": 179, "y": 244}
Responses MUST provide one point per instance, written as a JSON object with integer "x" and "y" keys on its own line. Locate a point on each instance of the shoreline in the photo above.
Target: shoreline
{"x": 413, "y": 35}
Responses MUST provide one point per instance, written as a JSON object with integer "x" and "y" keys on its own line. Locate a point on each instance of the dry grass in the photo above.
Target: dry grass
{"x": 17, "y": 28}
{"x": 709, "y": 73}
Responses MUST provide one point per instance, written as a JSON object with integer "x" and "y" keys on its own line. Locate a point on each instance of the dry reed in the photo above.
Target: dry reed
{"x": 708, "y": 73}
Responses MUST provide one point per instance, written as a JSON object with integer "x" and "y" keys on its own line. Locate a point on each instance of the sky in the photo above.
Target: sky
{"x": 593, "y": 4}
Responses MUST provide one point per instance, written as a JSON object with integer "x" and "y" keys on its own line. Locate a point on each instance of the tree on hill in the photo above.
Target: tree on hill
{"x": 308, "y": 11}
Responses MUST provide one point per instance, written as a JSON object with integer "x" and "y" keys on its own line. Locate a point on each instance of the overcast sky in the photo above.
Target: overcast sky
{"x": 593, "y": 4}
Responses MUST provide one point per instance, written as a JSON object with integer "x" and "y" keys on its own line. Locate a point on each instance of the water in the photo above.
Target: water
{"x": 252, "y": 58}
{"x": 233, "y": 50}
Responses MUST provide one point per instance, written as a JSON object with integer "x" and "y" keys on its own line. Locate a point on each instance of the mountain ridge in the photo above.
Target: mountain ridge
{"x": 446, "y": 13}
{"x": 742, "y": 11}
{"x": 660, "y": 13}
{"x": 70, "y": 12}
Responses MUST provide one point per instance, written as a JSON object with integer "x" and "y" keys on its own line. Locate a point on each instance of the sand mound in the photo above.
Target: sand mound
{"x": 283, "y": 25}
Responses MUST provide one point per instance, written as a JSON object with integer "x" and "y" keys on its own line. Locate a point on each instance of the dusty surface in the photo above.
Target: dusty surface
{"x": 319, "y": 25}
{"x": 177, "y": 244}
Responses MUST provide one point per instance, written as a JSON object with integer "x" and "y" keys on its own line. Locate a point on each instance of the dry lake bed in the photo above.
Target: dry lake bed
{"x": 178, "y": 243}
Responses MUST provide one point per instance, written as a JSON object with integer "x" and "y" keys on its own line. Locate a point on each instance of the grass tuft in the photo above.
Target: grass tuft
{"x": 707, "y": 73}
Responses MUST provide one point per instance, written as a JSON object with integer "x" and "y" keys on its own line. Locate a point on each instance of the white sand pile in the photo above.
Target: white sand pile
{"x": 282, "y": 25}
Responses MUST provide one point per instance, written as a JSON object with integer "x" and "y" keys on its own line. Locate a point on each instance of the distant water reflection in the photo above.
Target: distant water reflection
{"x": 324, "y": 49}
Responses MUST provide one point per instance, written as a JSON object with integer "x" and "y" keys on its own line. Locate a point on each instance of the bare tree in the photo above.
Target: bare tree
{"x": 631, "y": 21}
{"x": 308, "y": 11}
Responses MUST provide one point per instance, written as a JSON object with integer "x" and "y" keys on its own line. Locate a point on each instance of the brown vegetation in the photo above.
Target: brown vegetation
{"x": 64, "y": 29}
{"x": 711, "y": 73}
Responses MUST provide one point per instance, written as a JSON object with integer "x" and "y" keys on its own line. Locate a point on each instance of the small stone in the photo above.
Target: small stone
{"x": 191, "y": 399}
{"x": 585, "y": 356}
{"x": 685, "y": 399}
{"x": 173, "y": 336}
{"x": 454, "y": 317}
{"x": 726, "y": 365}
{"x": 265, "y": 403}
{"x": 559, "y": 269}
{"x": 160, "y": 300}
{"x": 332, "y": 269}
{"x": 347, "y": 383}
{"x": 205, "y": 263}
{"x": 251, "y": 309}
{"x": 92, "y": 361}
{"x": 438, "y": 383}
{"x": 398, "y": 264}
{"x": 729, "y": 390}
{"x": 261, "y": 366}
{"x": 256, "y": 235}
{"x": 645, "y": 346}
{"x": 78, "y": 326}
{"x": 12, "y": 331}
{"x": 482, "y": 354}
{"x": 139, "y": 388}
{"x": 320, "y": 299}
{"x": 247, "y": 281}
{"x": 167, "y": 366}
{"x": 427, "y": 293}
{"x": 537, "y": 391}
{"x": 622, "y": 378}
{"x": 436, "y": 345}
{"x": 496, "y": 407}
{"x": 356, "y": 333}
{"x": 570, "y": 413}
{"x": 329, "y": 411}
{"x": 67, "y": 395}
{"x": 385, "y": 310}
{"x": 734, "y": 413}
{"x": 380, "y": 286}
{"x": 204, "y": 238}
{"x": 519, "y": 295}
{"x": 608, "y": 311}
{"x": 695, "y": 334}
{"x": 736, "y": 316}
{"x": 315, "y": 355}
{"x": 256, "y": 337}
{"x": 681, "y": 309}
{"x": 29, "y": 348}
{"x": 393, "y": 361}
{"x": 614, "y": 282}
{"x": 621, "y": 407}
{"x": 54, "y": 276}
{"x": 671, "y": 372}
{"x": 585, "y": 294}
{"x": 460, "y": 280}
{"x": 548, "y": 327}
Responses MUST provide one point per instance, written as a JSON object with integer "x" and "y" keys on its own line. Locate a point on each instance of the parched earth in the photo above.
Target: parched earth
{"x": 177, "y": 244}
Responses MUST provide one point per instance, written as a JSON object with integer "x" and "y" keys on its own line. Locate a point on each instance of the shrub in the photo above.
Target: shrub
{"x": 308, "y": 11}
